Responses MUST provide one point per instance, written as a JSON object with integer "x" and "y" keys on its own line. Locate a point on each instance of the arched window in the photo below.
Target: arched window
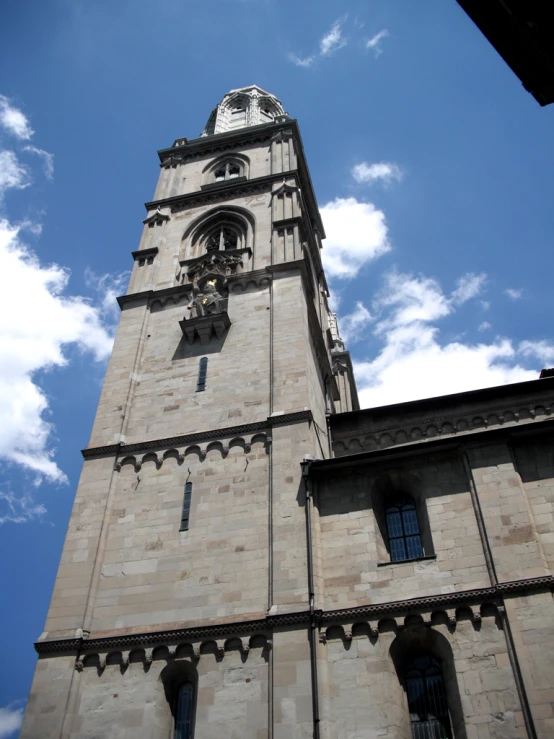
{"x": 429, "y": 718}
{"x": 184, "y": 711}
{"x": 403, "y": 530}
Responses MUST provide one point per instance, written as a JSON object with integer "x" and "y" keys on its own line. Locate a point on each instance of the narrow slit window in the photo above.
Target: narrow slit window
{"x": 403, "y": 530}
{"x": 185, "y": 515}
{"x": 184, "y": 712}
{"x": 202, "y": 371}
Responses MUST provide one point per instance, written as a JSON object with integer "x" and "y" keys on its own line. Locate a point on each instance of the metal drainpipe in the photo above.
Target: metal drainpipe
{"x": 306, "y": 464}
{"x": 328, "y": 402}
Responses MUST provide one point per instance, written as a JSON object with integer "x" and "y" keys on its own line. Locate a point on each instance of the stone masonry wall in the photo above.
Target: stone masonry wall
{"x": 368, "y": 698}
{"x": 356, "y": 566}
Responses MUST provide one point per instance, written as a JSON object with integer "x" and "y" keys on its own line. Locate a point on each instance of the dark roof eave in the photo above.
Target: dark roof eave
{"x": 481, "y": 394}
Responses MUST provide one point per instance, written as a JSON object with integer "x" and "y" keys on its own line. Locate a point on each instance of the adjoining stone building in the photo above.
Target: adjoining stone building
{"x": 250, "y": 554}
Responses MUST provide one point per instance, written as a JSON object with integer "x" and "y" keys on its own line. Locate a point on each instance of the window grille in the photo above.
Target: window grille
{"x": 427, "y": 700}
{"x": 184, "y": 712}
{"x": 403, "y": 530}
{"x": 202, "y": 371}
{"x": 185, "y": 514}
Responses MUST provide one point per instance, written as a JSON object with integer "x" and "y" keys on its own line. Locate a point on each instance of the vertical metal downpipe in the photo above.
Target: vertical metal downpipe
{"x": 306, "y": 464}
{"x": 270, "y": 717}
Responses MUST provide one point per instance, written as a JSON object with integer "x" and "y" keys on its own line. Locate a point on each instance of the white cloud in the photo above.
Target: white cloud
{"x": 301, "y": 62}
{"x": 329, "y": 43}
{"x": 48, "y": 159}
{"x": 410, "y": 300}
{"x": 484, "y": 326}
{"x": 332, "y": 40}
{"x": 356, "y": 233}
{"x": 542, "y": 350}
{"x": 411, "y": 362}
{"x": 468, "y": 287}
{"x": 379, "y": 171}
{"x": 34, "y": 337}
{"x": 10, "y": 720}
{"x": 19, "y": 510}
{"x": 353, "y": 324}
{"x": 513, "y": 293}
{"x": 374, "y": 43}
{"x": 13, "y": 175}
{"x": 108, "y": 288}
{"x": 13, "y": 120}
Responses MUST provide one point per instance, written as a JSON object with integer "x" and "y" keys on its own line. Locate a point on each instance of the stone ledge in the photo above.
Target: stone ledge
{"x": 225, "y": 432}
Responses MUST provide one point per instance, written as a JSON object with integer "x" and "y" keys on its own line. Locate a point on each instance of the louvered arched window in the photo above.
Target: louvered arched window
{"x": 429, "y": 717}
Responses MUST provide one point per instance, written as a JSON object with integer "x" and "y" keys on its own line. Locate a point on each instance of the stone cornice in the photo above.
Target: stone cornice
{"x": 215, "y": 143}
{"x": 173, "y": 441}
{"x": 269, "y": 623}
{"x": 232, "y": 189}
{"x": 148, "y": 295}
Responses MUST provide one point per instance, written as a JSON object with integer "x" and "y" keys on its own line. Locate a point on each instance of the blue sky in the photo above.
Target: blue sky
{"x": 431, "y": 164}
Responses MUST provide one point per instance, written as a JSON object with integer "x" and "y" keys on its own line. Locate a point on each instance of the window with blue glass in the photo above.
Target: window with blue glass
{"x": 184, "y": 714}
{"x": 429, "y": 717}
{"x": 403, "y": 530}
{"x": 202, "y": 372}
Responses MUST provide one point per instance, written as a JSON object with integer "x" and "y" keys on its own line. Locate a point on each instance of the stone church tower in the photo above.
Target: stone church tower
{"x": 249, "y": 554}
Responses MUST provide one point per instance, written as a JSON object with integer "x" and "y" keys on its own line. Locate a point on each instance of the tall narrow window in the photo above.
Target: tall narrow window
{"x": 429, "y": 717}
{"x": 202, "y": 371}
{"x": 184, "y": 711}
{"x": 185, "y": 514}
{"x": 403, "y": 530}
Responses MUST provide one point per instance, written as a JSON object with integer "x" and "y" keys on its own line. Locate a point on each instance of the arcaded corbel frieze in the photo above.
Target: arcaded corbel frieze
{"x": 454, "y": 425}
{"x": 369, "y": 620}
{"x": 240, "y": 282}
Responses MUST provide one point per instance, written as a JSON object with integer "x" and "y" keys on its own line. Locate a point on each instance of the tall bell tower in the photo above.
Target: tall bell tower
{"x": 183, "y": 604}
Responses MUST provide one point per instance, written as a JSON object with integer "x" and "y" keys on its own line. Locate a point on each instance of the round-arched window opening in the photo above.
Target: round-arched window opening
{"x": 427, "y": 705}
